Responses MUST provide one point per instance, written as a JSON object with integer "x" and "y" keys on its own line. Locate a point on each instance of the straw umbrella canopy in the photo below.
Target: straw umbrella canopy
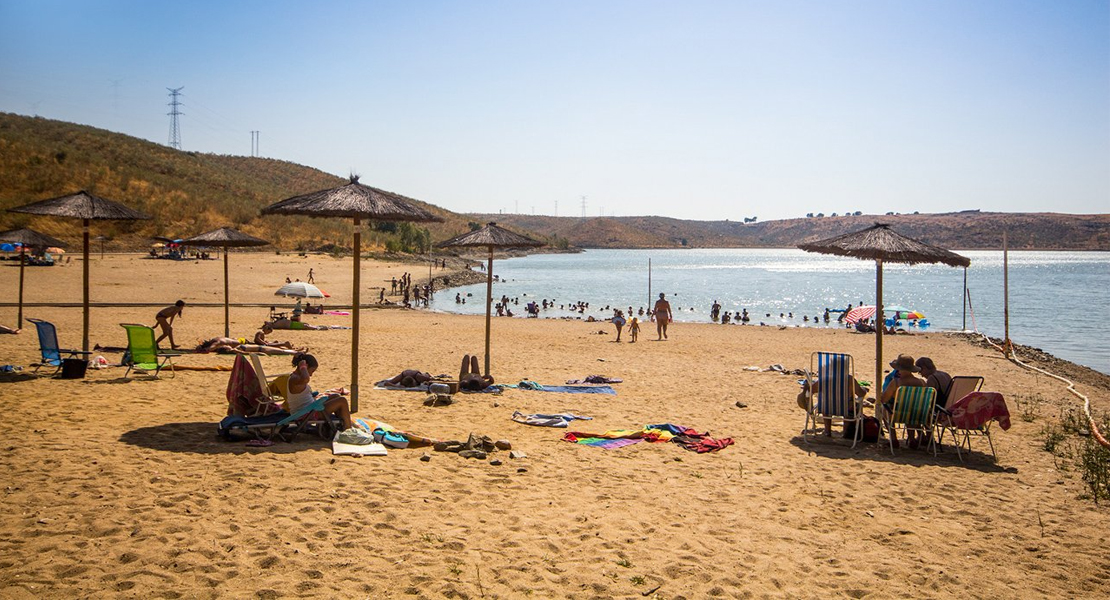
{"x": 491, "y": 236}
{"x": 880, "y": 244}
{"x": 354, "y": 201}
{"x": 87, "y": 207}
{"x": 27, "y": 238}
{"x": 225, "y": 238}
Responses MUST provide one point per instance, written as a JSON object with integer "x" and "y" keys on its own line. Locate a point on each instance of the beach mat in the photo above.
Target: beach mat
{"x": 340, "y": 449}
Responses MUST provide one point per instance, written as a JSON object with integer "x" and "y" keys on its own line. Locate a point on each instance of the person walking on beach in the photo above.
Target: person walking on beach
{"x": 663, "y": 316}
{"x": 618, "y": 321}
{"x": 633, "y": 330}
{"x": 164, "y": 320}
{"x": 311, "y": 279}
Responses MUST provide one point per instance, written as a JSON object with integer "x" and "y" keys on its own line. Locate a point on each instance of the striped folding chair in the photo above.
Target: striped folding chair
{"x": 835, "y": 399}
{"x": 913, "y": 411}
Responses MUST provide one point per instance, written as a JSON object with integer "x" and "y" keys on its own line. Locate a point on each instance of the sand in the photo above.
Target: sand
{"x": 119, "y": 487}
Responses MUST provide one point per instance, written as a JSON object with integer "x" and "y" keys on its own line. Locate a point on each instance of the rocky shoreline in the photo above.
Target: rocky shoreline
{"x": 1036, "y": 357}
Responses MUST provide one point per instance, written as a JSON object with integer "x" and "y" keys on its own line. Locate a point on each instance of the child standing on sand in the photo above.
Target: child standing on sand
{"x": 633, "y": 330}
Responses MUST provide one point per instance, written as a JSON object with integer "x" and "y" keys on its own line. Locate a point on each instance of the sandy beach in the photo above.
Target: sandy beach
{"x": 119, "y": 487}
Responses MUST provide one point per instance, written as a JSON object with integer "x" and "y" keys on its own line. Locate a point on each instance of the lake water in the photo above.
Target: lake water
{"x": 1058, "y": 300}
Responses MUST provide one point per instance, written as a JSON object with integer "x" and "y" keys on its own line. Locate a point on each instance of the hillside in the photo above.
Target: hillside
{"x": 189, "y": 193}
{"x": 186, "y": 192}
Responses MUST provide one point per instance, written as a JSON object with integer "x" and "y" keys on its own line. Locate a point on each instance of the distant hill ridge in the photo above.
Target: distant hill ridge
{"x": 189, "y": 193}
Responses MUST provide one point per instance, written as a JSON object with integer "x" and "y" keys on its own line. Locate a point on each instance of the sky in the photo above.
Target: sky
{"x": 694, "y": 109}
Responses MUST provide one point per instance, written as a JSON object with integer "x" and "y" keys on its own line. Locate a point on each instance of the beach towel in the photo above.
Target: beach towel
{"x": 976, "y": 409}
{"x": 564, "y": 389}
{"x": 338, "y": 313}
{"x": 385, "y": 385}
{"x": 595, "y": 379}
{"x": 243, "y": 391}
{"x": 339, "y": 448}
{"x": 545, "y": 420}
{"x": 666, "y": 432}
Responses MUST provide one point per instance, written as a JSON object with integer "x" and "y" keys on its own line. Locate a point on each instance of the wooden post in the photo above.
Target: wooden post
{"x": 227, "y": 303}
{"x": 879, "y": 324}
{"x": 489, "y": 302}
{"x": 1006, "y": 291}
{"x": 964, "y": 302}
{"x": 356, "y": 301}
{"x": 22, "y": 263}
{"x": 85, "y": 279}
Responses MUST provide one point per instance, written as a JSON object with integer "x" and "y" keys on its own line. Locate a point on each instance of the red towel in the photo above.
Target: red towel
{"x": 976, "y": 409}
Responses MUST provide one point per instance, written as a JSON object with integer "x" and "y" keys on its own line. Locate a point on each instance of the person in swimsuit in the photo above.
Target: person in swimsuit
{"x": 470, "y": 378}
{"x": 663, "y": 315}
{"x": 225, "y": 345}
{"x": 300, "y": 392}
{"x": 164, "y": 319}
{"x": 260, "y": 338}
{"x": 409, "y": 378}
{"x": 618, "y": 321}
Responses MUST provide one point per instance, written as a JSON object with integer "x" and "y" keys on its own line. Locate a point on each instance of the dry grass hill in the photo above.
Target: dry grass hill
{"x": 189, "y": 193}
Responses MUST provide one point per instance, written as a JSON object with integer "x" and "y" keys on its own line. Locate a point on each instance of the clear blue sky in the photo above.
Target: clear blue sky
{"x": 699, "y": 110}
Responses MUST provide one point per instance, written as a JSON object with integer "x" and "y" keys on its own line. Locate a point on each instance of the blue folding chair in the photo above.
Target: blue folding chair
{"x": 835, "y": 399}
{"x": 52, "y": 354}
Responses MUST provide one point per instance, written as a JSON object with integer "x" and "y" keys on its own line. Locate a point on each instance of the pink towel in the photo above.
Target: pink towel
{"x": 976, "y": 409}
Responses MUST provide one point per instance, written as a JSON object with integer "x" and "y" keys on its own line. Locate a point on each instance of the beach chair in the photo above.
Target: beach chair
{"x": 52, "y": 354}
{"x": 143, "y": 353}
{"x": 960, "y": 386}
{"x": 273, "y": 391}
{"x": 277, "y": 389}
{"x": 913, "y": 411}
{"x": 835, "y": 399}
{"x": 972, "y": 416}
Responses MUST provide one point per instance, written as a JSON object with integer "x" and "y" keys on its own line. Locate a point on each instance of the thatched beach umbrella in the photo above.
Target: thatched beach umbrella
{"x": 355, "y": 201}
{"x": 86, "y": 207}
{"x": 27, "y": 238}
{"x": 880, "y": 244}
{"x": 225, "y": 238}
{"x": 491, "y": 236}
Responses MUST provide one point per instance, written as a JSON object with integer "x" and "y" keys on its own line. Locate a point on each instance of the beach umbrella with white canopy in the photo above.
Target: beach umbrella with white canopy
{"x": 354, "y": 201}
{"x": 880, "y": 244}
{"x": 225, "y": 238}
{"x": 27, "y": 238}
{"x": 491, "y": 236}
{"x": 300, "y": 289}
{"x": 87, "y": 207}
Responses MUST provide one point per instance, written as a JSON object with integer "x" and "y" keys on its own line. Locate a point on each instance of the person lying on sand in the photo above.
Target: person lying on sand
{"x": 470, "y": 378}
{"x": 224, "y": 345}
{"x": 260, "y": 338}
{"x": 409, "y": 378}
{"x": 291, "y": 324}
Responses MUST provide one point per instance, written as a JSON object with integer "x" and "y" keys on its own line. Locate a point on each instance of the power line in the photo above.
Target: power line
{"x": 175, "y": 128}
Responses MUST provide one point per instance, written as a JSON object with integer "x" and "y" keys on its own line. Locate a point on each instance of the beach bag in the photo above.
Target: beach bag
{"x": 870, "y": 430}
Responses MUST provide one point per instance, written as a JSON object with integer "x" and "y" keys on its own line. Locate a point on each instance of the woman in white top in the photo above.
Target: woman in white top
{"x": 300, "y": 392}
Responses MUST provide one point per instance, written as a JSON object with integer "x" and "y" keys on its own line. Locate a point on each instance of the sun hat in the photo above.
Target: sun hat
{"x": 904, "y": 362}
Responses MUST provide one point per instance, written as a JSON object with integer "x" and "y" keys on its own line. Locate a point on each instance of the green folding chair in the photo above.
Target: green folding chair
{"x": 913, "y": 411}
{"x": 143, "y": 353}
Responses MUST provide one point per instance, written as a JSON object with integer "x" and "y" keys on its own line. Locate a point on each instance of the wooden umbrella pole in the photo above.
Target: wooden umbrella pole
{"x": 85, "y": 275}
{"x": 879, "y": 324}
{"x": 489, "y": 302}
{"x": 22, "y": 262}
{"x": 227, "y": 303}
{"x": 356, "y": 301}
